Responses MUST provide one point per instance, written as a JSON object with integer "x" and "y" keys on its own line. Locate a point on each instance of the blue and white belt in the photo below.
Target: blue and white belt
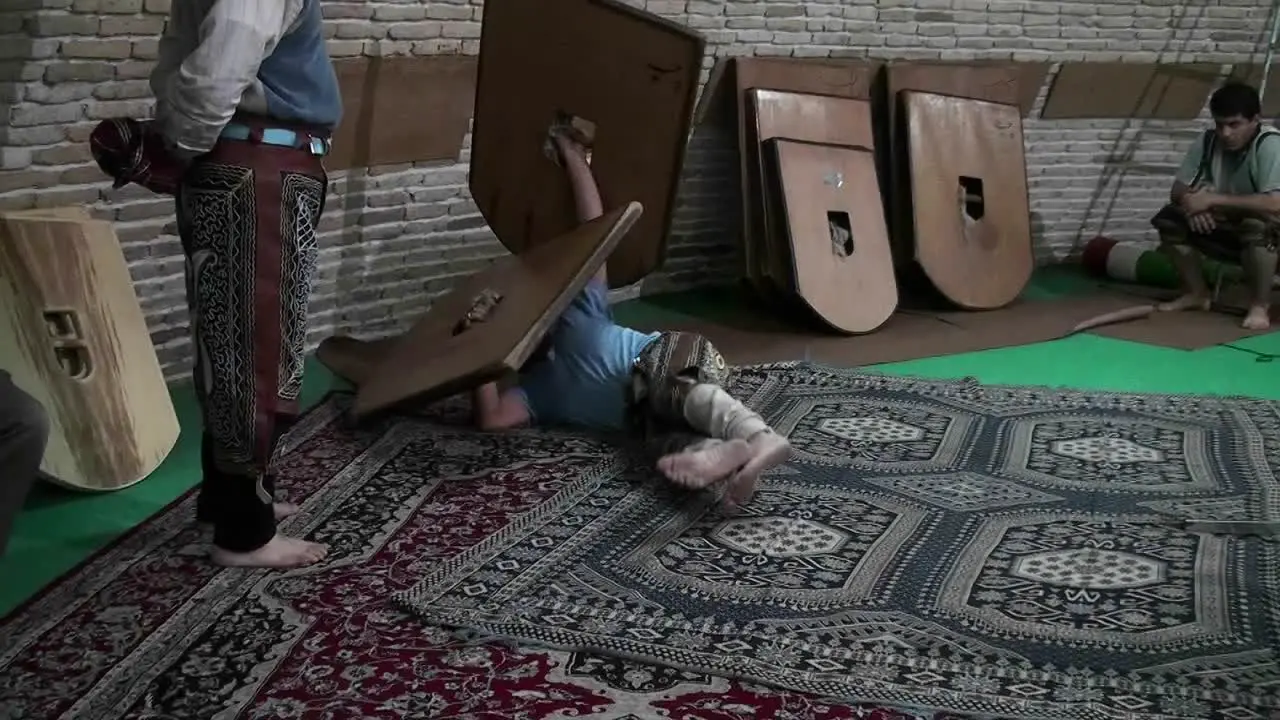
{"x": 280, "y": 137}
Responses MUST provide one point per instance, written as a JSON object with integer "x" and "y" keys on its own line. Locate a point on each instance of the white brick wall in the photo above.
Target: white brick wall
{"x": 396, "y": 236}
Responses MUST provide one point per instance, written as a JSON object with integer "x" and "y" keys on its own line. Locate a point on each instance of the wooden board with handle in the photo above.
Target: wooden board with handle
{"x": 1007, "y": 83}
{"x": 72, "y": 335}
{"x": 831, "y": 216}
{"x": 971, "y": 217}
{"x": 438, "y": 357}
{"x": 853, "y": 79}
{"x": 806, "y": 117}
{"x": 629, "y": 73}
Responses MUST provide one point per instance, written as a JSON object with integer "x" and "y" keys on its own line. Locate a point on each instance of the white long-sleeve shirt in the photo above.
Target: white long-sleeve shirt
{"x": 208, "y": 66}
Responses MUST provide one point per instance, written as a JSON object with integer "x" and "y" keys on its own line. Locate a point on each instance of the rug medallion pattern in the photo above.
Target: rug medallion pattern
{"x": 944, "y": 545}
{"x": 148, "y": 629}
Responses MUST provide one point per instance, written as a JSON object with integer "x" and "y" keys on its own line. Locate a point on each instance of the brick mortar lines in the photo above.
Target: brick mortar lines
{"x": 395, "y": 237}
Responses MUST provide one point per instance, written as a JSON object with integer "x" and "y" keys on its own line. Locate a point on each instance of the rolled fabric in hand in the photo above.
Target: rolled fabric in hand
{"x": 131, "y": 151}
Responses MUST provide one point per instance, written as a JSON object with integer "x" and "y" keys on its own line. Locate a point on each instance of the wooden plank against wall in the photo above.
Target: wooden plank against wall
{"x": 1145, "y": 91}
{"x": 403, "y": 109}
{"x": 1252, "y": 74}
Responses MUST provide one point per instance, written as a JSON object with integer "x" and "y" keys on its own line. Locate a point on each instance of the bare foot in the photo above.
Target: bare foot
{"x": 768, "y": 450}
{"x": 1258, "y": 318}
{"x": 1190, "y": 301}
{"x": 279, "y": 552}
{"x": 696, "y": 469}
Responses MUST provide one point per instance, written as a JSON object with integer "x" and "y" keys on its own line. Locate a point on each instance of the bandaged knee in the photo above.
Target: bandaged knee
{"x": 711, "y": 410}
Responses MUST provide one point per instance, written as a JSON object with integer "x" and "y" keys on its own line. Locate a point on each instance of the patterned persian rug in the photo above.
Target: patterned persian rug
{"x": 939, "y": 545}
{"x": 148, "y": 629}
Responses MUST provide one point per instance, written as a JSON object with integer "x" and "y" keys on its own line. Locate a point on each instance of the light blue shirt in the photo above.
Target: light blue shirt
{"x": 584, "y": 379}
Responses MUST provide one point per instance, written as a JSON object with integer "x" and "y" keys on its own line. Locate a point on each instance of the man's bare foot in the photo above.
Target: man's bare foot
{"x": 768, "y": 450}
{"x": 1190, "y": 301}
{"x": 696, "y": 469}
{"x": 279, "y": 552}
{"x": 1258, "y": 318}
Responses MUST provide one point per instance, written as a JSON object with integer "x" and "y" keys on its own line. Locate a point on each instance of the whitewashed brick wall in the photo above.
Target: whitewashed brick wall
{"x": 397, "y": 236}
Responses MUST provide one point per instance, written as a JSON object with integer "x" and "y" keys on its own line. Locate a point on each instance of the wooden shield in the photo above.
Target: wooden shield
{"x": 631, "y": 74}
{"x": 831, "y": 216}
{"x": 73, "y": 336}
{"x": 1007, "y": 83}
{"x": 435, "y": 360}
{"x": 822, "y": 119}
{"x": 839, "y": 78}
{"x": 969, "y": 192}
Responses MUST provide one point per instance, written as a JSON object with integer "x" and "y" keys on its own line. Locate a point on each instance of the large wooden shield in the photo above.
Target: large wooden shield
{"x": 969, "y": 193}
{"x": 1007, "y": 83}
{"x": 73, "y": 336}
{"x": 440, "y": 357}
{"x": 631, "y": 74}
{"x": 839, "y": 78}
{"x": 830, "y": 120}
{"x": 831, "y": 216}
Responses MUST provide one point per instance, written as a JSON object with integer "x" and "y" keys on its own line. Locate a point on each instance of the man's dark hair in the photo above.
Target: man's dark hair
{"x": 1235, "y": 99}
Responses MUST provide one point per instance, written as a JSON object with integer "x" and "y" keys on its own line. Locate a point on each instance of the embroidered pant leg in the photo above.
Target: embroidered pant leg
{"x": 683, "y": 377}
{"x": 24, "y": 433}
{"x": 247, "y": 215}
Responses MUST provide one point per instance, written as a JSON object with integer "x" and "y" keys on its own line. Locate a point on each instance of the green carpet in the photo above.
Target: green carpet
{"x": 58, "y": 528}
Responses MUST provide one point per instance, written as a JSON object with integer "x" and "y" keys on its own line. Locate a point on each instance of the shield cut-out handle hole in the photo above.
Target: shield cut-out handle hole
{"x": 841, "y": 233}
{"x": 580, "y": 129}
{"x": 972, "y": 198}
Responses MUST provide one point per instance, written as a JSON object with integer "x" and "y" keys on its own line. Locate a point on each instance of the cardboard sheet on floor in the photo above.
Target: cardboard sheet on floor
{"x": 402, "y": 110}
{"x": 1184, "y": 331}
{"x": 905, "y": 336}
{"x": 631, "y": 74}
{"x": 72, "y": 335}
{"x": 1146, "y": 91}
{"x": 852, "y": 79}
{"x": 971, "y": 221}
{"x": 831, "y": 218}
{"x": 435, "y": 360}
{"x": 795, "y": 116}
{"x": 1004, "y": 83}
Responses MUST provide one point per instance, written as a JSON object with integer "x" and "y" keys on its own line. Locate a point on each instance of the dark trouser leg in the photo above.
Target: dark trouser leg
{"x": 24, "y": 433}
{"x": 247, "y": 215}
{"x": 1178, "y": 240}
{"x": 1258, "y": 238}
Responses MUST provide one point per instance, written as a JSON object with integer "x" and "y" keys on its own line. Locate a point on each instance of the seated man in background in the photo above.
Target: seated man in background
{"x": 24, "y": 433}
{"x": 599, "y": 375}
{"x": 1226, "y": 202}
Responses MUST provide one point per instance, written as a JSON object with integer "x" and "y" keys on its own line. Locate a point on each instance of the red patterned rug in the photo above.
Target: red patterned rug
{"x": 147, "y": 628}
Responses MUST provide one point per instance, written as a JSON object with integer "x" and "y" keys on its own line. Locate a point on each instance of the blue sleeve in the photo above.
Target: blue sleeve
{"x": 593, "y": 301}
{"x": 540, "y": 388}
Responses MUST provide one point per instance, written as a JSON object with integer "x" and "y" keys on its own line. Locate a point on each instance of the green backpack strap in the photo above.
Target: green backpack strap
{"x": 1204, "y": 172}
{"x": 1263, "y": 134}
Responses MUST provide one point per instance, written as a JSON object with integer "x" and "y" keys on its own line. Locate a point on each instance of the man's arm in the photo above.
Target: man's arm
{"x": 497, "y": 410}
{"x": 1187, "y": 171}
{"x": 202, "y": 94}
{"x": 586, "y": 193}
{"x": 1262, "y": 203}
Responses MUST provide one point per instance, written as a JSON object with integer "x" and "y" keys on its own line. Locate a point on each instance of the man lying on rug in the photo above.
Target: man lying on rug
{"x": 664, "y": 386}
{"x": 24, "y": 432}
{"x": 1226, "y": 201}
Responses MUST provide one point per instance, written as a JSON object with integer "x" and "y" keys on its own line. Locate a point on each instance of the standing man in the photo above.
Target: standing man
{"x": 1226, "y": 201}
{"x": 247, "y": 100}
{"x": 24, "y": 433}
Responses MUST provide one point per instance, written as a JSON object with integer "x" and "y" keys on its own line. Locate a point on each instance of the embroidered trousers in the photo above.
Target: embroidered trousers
{"x": 247, "y": 217}
{"x": 678, "y": 400}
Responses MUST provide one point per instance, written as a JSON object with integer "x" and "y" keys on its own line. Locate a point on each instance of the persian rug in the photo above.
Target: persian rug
{"x": 147, "y": 628}
{"x": 998, "y": 551}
